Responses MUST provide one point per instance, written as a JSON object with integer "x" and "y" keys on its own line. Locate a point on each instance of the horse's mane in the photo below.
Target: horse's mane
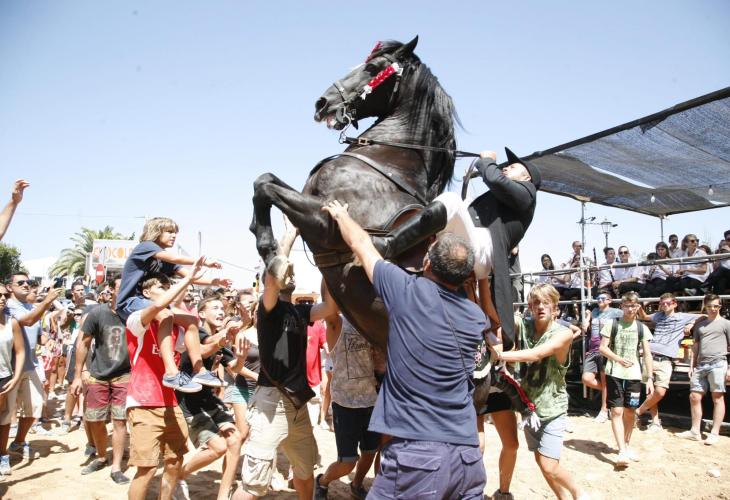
{"x": 433, "y": 117}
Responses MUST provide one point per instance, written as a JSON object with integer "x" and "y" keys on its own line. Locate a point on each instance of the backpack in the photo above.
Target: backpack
{"x": 614, "y": 331}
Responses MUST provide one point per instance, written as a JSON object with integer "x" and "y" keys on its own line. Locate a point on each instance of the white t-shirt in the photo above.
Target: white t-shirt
{"x": 700, "y": 277}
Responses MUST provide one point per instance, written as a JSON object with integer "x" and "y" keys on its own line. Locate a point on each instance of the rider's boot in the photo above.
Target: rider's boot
{"x": 421, "y": 226}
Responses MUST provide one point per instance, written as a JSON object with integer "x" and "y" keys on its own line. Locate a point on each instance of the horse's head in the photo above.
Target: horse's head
{"x": 368, "y": 90}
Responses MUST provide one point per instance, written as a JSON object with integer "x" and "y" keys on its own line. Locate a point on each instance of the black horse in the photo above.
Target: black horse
{"x": 380, "y": 182}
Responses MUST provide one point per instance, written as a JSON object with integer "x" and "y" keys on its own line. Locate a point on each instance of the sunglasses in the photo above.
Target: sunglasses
{"x": 666, "y": 302}
{"x": 691, "y": 241}
{"x": 623, "y": 253}
{"x": 603, "y": 299}
{"x": 21, "y": 282}
{"x": 6, "y": 295}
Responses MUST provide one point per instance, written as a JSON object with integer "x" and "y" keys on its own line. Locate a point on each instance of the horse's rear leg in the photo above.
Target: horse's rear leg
{"x": 304, "y": 211}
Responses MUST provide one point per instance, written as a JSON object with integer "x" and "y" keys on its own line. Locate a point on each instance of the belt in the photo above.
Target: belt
{"x": 661, "y": 357}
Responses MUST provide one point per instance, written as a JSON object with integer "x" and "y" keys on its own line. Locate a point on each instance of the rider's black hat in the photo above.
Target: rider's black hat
{"x": 532, "y": 169}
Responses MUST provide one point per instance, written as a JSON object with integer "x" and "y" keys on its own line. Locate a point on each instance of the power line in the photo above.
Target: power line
{"x": 84, "y": 216}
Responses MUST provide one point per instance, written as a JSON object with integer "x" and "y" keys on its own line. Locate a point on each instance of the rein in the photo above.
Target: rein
{"x": 364, "y": 141}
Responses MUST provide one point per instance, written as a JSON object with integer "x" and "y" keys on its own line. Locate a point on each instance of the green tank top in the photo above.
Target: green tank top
{"x": 544, "y": 380}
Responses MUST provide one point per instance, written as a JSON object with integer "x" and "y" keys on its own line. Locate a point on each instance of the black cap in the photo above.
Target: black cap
{"x": 534, "y": 172}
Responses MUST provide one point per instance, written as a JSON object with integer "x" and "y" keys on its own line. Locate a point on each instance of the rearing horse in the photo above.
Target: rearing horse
{"x": 380, "y": 182}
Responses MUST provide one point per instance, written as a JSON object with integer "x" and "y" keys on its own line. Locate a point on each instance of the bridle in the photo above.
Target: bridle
{"x": 347, "y": 114}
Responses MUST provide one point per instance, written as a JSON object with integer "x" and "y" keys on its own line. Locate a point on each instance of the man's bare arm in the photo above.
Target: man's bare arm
{"x": 148, "y": 313}
{"x": 15, "y": 198}
{"x": 34, "y": 315}
{"x": 355, "y": 237}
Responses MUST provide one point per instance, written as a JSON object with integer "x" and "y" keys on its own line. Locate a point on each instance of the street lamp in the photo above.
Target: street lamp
{"x": 606, "y": 226}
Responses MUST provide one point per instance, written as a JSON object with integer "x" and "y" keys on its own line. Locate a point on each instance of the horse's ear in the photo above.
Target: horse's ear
{"x": 407, "y": 49}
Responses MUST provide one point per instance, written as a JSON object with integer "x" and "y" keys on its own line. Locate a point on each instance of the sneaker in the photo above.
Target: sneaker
{"x": 320, "y": 492}
{"x": 22, "y": 449}
{"x": 653, "y": 428}
{"x": 498, "y": 495}
{"x": 602, "y": 417}
{"x": 181, "y": 382}
{"x": 712, "y": 439}
{"x": 632, "y": 455}
{"x": 358, "y": 492}
{"x": 692, "y": 436}
{"x": 67, "y": 426}
{"x": 119, "y": 477}
{"x": 5, "y": 465}
{"x": 94, "y": 466}
{"x": 207, "y": 378}
{"x": 89, "y": 451}
{"x": 182, "y": 492}
{"x": 623, "y": 459}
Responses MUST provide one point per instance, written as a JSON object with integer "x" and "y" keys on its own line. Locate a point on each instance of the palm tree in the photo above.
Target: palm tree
{"x": 73, "y": 260}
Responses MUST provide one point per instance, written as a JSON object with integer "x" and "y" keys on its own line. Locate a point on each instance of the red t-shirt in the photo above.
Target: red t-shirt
{"x": 316, "y": 339}
{"x": 145, "y": 382}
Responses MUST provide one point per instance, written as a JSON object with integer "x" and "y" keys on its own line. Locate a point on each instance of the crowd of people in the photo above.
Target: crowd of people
{"x": 649, "y": 278}
{"x": 168, "y": 357}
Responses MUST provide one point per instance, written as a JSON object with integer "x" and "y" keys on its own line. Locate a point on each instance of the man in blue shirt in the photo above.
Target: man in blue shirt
{"x": 425, "y": 402}
{"x": 668, "y": 333}
{"x": 28, "y": 394}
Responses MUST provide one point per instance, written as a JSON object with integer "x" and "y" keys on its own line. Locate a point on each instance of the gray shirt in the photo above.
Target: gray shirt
{"x": 353, "y": 376}
{"x": 31, "y": 334}
{"x": 712, "y": 339}
{"x": 6, "y": 348}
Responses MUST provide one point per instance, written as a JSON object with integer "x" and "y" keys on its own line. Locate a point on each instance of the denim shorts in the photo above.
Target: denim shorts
{"x": 548, "y": 439}
{"x": 132, "y": 304}
{"x": 709, "y": 377}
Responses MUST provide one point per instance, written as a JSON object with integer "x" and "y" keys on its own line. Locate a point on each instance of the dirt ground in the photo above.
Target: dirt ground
{"x": 669, "y": 468}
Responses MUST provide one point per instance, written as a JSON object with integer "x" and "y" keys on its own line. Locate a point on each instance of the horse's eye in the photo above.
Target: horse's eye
{"x": 372, "y": 69}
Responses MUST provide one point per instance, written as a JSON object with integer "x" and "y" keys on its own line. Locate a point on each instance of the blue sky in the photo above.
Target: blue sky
{"x": 117, "y": 110}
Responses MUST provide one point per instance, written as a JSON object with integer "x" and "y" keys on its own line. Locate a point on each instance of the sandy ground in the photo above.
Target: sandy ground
{"x": 669, "y": 468}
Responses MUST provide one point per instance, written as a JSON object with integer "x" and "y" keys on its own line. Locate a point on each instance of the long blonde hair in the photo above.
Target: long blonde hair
{"x": 154, "y": 227}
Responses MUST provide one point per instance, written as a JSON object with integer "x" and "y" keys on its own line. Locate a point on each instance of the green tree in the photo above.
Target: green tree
{"x": 9, "y": 262}
{"x": 73, "y": 260}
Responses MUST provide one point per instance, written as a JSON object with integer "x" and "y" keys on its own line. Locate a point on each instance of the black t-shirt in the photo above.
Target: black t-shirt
{"x": 204, "y": 400}
{"x": 282, "y": 334}
{"x": 109, "y": 358}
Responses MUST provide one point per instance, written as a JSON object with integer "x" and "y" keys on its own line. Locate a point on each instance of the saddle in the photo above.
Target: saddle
{"x": 411, "y": 260}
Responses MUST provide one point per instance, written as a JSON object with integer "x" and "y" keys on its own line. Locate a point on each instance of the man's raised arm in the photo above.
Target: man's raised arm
{"x": 355, "y": 237}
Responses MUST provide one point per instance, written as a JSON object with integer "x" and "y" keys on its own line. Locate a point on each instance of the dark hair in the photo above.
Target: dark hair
{"x": 452, "y": 259}
{"x": 152, "y": 279}
{"x": 606, "y": 250}
{"x": 709, "y": 298}
{"x": 726, "y": 233}
{"x": 673, "y": 235}
{"x": 100, "y": 288}
{"x": 552, "y": 264}
{"x": 663, "y": 245}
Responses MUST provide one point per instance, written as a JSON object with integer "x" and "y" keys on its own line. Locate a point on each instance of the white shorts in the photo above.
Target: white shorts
{"x": 27, "y": 395}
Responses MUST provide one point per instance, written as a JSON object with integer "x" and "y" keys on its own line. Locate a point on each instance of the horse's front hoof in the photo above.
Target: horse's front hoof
{"x": 280, "y": 269}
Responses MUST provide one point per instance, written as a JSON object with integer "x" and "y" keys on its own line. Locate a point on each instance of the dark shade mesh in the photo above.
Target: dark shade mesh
{"x": 676, "y": 155}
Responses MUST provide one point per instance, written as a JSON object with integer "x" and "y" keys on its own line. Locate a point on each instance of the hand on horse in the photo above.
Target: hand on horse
{"x": 335, "y": 209}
